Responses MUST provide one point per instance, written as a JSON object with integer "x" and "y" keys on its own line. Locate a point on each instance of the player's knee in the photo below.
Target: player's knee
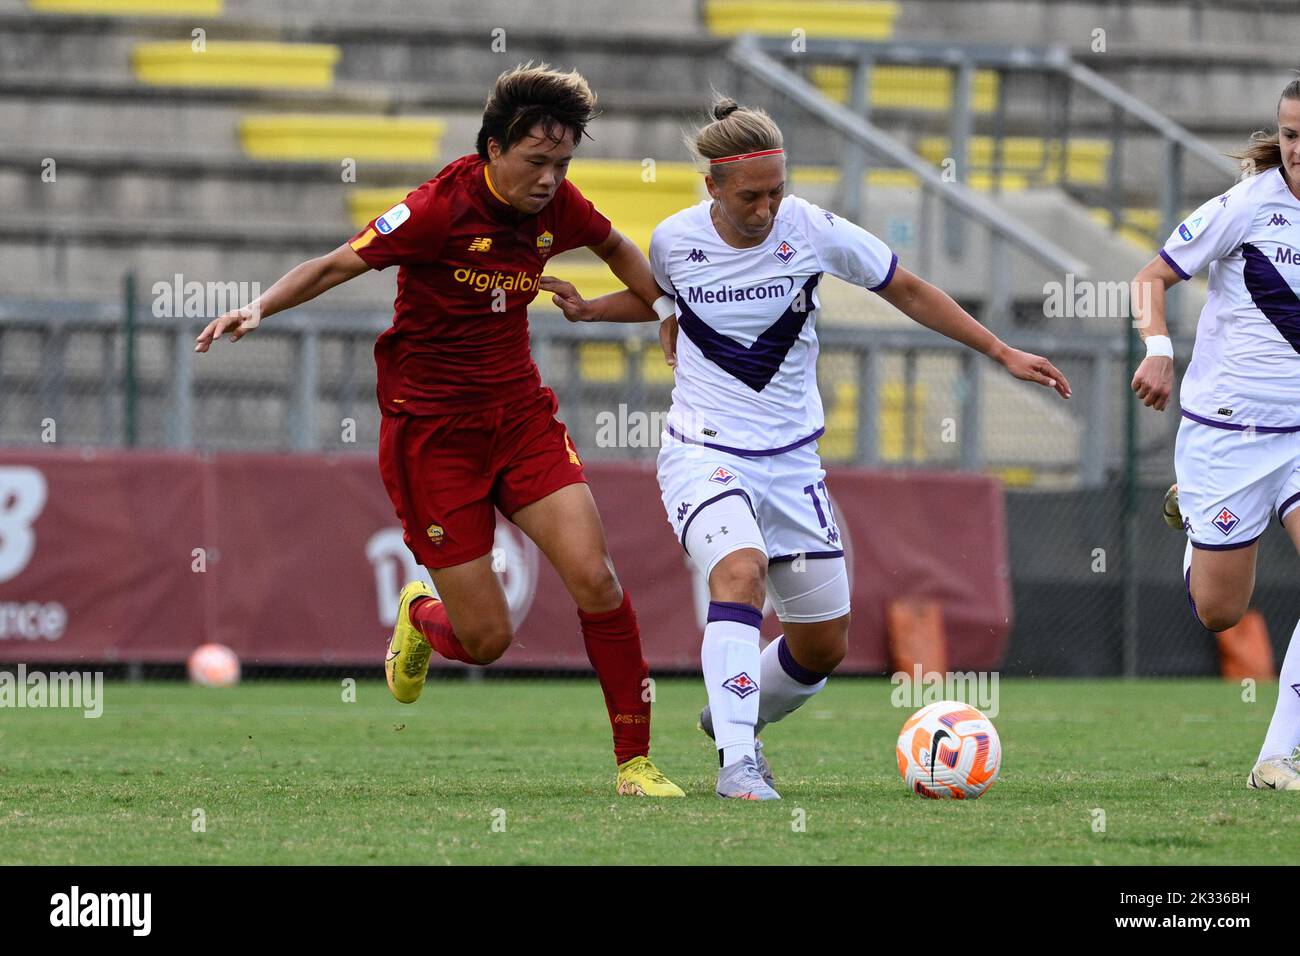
{"x": 826, "y": 654}
{"x": 487, "y": 643}
{"x": 1220, "y": 618}
{"x": 740, "y": 576}
{"x": 1217, "y": 614}
{"x": 596, "y": 588}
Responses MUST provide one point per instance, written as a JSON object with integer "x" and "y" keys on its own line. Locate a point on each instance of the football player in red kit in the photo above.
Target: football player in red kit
{"x": 466, "y": 424}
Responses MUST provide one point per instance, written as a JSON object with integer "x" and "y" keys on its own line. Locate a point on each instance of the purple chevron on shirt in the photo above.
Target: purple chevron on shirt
{"x": 756, "y": 364}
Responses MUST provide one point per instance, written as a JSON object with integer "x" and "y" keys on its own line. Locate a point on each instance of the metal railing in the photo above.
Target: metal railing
{"x": 304, "y": 381}
{"x": 1066, "y": 96}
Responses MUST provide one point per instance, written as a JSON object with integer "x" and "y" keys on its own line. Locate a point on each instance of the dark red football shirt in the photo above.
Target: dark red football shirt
{"x": 469, "y": 264}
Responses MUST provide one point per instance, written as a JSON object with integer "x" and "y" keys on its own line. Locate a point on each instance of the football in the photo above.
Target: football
{"x": 214, "y": 665}
{"x": 949, "y": 751}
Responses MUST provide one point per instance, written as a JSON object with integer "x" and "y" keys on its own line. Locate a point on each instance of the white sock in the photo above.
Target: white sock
{"x": 1284, "y": 730}
{"x": 787, "y": 685}
{"x": 731, "y": 676}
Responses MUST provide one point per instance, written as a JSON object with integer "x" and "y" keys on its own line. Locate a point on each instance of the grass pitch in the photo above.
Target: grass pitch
{"x": 520, "y": 771}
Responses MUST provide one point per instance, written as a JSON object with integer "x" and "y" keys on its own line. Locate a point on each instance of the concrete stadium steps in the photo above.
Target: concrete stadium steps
{"x": 195, "y": 189}
{"x": 1214, "y": 93}
{"x": 88, "y": 260}
{"x": 1150, "y": 24}
{"x": 652, "y": 65}
{"x": 207, "y": 122}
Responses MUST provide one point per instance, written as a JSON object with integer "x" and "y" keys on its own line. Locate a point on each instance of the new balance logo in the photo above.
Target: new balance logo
{"x": 480, "y": 245}
{"x": 1278, "y": 220}
{"x": 697, "y": 256}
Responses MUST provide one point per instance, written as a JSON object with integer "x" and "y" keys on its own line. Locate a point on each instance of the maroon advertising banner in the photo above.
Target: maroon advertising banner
{"x": 298, "y": 559}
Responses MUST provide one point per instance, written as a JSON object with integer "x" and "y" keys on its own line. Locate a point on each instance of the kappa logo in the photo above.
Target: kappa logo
{"x": 785, "y": 252}
{"x": 1225, "y": 521}
{"x": 481, "y": 244}
{"x": 742, "y": 685}
{"x": 722, "y": 476}
{"x": 1278, "y": 220}
{"x": 697, "y": 256}
{"x": 393, "y": 218}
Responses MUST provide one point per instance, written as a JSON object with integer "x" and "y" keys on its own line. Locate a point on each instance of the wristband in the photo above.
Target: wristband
{"x": 1159, "y": 345}
{"x": 665, "y": 307}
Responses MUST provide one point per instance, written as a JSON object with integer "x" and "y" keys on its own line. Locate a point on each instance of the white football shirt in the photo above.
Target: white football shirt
{"x": 747, "y": 345}
{"x": 1245, "y": 366}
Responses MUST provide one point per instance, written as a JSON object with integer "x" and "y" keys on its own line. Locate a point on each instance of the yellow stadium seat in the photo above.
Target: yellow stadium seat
{"x": 323, "y": 136}
{"x": 654, "y": 368}
{"x": 840, "y": 441}
{"x": 1087, "y": 161}
{"x": 590, "y": 276}
{"x": 1015, "y": 476}
{"x": 893, "y": 414}
{"x": 602, "y": 362}
{"x": 366, "y": 204}
{"x": 236, "y": 64}
{"x": 637, "y": 196}
{"x": 1141, "y": 227}
{"x": 821, "y": 19}
{"x": 126, "y": 8}
{"x": 920, "y": 88}
{"x": 804, "y": 176}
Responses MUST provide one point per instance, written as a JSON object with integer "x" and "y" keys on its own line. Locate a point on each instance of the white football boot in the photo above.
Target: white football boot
{"x": 764, "y": 768}
{"x": 1280, "y": 773}
{"x": 741, "y": 781}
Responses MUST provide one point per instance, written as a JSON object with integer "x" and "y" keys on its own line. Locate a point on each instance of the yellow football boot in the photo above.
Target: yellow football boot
{"x": 638, "y": 777}
{"x": 1173, "y": 515}
{"x": 407, "y": 664}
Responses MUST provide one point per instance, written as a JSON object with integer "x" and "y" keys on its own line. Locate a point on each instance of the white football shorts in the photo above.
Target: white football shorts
{"x": 1231, "y": 480}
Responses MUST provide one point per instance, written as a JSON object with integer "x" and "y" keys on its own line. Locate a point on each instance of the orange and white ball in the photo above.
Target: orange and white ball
{"x": 214, "y": 665}
{"x": 949, "y": 751}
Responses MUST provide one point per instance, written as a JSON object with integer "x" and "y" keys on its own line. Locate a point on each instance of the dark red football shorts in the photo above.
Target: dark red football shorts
{"x": 447, "y": 473}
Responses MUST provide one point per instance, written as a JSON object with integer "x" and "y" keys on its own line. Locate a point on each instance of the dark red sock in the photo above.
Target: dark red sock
{"x": 613, "y": 643}
{"x": 430, "y": 619}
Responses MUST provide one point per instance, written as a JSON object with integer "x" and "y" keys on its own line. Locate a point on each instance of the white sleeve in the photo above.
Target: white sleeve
{"x": 848, "y": 251}
{"x": 1215, "y": 230}
{"x": 661, "y": 243}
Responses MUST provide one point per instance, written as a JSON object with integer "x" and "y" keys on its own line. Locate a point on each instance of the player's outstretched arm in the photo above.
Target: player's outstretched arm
{"x": 632, "y": 304}
{"x": 300, "y": 284}
{"x": 930, "y": 306}
{"x": 1154, "y": 379}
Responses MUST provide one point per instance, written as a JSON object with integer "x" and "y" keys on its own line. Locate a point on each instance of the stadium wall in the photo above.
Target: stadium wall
{"x": 139, "y": 557}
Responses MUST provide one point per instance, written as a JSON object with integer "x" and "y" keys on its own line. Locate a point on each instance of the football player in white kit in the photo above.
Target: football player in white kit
{"x": 1237, "y": 457}
{"x": 742, "y": 484}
